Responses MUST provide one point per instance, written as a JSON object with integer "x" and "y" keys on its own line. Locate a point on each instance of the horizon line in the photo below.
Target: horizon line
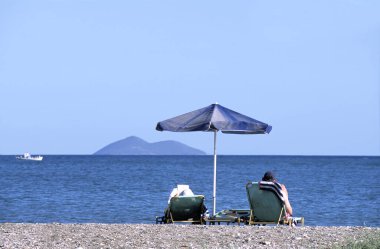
{"x": 309, "y": 155}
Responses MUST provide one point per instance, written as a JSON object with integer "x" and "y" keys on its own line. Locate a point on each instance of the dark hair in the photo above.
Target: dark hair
{"x": 269, "y": 176}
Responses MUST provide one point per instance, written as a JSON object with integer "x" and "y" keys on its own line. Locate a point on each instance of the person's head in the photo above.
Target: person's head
{"x": 269, "y": 177}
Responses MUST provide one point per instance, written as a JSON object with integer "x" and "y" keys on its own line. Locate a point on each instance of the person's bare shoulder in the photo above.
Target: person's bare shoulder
{"x": 283, "y": 188}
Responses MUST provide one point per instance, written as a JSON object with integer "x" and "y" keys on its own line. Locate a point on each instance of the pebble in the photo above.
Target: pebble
{"x": 83, "y": 236}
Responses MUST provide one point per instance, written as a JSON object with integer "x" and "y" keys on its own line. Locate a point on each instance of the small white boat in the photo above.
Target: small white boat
{"x": 27, "y": 156}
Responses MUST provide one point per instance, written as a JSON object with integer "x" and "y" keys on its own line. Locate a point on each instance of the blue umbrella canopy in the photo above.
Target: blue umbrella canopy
{"x": 214, "y": 118}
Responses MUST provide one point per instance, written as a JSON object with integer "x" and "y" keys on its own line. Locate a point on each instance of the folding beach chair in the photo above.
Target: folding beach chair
{"x": 267, "y": 208}
{"x": 229, "y": 216}
{"x": 185, "y": 209}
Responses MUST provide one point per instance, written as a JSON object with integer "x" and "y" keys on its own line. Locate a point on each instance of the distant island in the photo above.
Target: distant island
{"x": 136, "y": 146}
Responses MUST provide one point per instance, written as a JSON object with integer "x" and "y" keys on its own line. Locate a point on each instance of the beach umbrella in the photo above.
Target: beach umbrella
{"x": 214, "y": 118}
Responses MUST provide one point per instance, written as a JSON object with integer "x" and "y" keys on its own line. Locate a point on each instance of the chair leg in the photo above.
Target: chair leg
{"x": 171, "y": 218}
{"x": 279, "y": 218}
{"x": 250, "y": 222}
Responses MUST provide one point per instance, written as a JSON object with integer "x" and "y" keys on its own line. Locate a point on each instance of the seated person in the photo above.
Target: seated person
{"x": 181, "y": 190}
{"x": 269, "y": 177}
{"x": 184, "y": 190}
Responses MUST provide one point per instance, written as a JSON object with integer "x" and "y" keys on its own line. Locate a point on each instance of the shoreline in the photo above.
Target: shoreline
{"x": 94, "y": 235}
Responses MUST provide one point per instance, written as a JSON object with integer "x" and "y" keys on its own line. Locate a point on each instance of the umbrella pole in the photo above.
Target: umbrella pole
{"x": 214, "y": 191}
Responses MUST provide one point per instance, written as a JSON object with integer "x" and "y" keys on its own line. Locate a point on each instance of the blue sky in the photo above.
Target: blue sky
{"x": 77, "y": 75}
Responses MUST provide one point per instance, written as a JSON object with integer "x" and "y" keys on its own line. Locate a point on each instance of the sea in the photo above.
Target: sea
{"x": 325, "y": 190}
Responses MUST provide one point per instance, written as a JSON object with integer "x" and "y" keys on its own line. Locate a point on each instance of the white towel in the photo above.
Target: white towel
{"x": 275, "y": 187}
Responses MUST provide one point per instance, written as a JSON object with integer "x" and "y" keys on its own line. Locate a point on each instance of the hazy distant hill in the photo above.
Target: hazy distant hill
{"x": 136, "y": 146}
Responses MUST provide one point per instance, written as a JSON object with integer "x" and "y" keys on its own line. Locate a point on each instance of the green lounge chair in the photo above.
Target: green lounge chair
{"x": 186, "y": 209}
{"x": 266, "y": 207}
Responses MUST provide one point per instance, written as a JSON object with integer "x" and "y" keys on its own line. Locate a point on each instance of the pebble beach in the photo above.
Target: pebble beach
{"x": 83, "y": 236}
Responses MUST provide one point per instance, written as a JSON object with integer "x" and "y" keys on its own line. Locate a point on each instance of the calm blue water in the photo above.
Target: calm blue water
{"x": 327, "y": 191}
